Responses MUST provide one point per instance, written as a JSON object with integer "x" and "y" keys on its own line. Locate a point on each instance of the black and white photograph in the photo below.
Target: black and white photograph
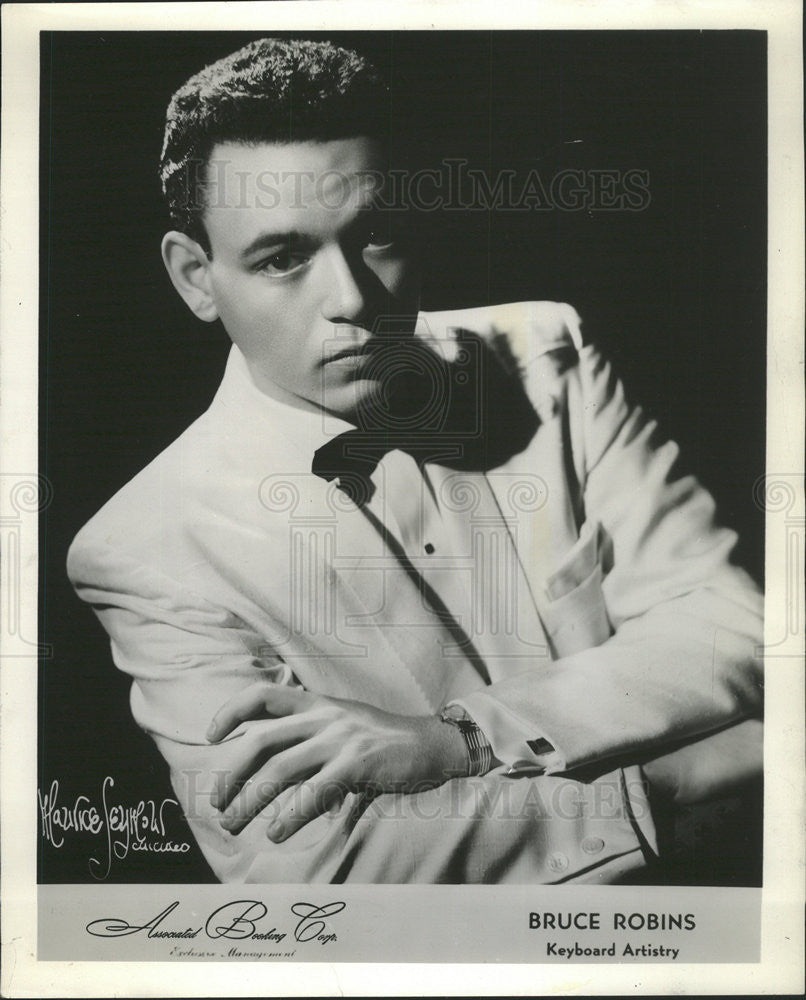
{"x": 404, "y": 494}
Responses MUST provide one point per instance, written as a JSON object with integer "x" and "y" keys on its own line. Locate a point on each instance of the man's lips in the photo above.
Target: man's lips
{"x": 376, "y": 348}
{"x": 358, "y": 352}
{"x": 347, "y": 354}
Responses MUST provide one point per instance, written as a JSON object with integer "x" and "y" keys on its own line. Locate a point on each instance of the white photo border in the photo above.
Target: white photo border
{"x": 781, "y": 966}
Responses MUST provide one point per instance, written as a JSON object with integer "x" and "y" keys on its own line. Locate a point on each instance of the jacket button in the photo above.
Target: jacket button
{"x": 592, "y": 845}
{"x": 557, "y": 862}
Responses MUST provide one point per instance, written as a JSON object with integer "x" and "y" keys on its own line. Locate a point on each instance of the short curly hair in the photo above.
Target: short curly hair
{"x": 271, "y": 90}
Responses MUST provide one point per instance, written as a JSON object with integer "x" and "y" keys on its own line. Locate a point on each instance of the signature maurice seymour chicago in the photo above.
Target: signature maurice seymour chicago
{"x": 137, "y": 827}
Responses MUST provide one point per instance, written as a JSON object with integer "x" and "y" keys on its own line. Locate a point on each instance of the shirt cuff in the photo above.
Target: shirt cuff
{"x": 521, "y": 746}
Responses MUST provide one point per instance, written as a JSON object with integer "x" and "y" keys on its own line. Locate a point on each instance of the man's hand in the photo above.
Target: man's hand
{"x": 327, "y": 747}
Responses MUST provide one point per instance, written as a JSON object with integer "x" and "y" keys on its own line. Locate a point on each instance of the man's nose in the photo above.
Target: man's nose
{"x": 349, "y": 288}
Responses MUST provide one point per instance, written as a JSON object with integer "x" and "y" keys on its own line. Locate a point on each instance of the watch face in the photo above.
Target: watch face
{"x": 454, "y": 713}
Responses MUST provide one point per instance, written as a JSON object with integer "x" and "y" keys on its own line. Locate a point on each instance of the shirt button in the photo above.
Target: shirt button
{"x": 557, "y": 862}
{"x": 429, "y": 548}
{"x": 592, "y": 845}
{"x": 547, "y": 408}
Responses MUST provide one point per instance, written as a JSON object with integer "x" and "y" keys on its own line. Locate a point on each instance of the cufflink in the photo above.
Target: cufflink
{"x": 522, "y": 768}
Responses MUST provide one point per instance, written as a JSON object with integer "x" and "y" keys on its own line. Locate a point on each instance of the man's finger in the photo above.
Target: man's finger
{"x": 253, "y": 702}
{"x": 286, "y": 768}
{"x": 312, "y": 798}
{"x": 244, "y": 757}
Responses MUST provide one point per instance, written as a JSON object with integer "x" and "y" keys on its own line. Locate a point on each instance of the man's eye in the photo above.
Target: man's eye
{"x": 284, "y": 262}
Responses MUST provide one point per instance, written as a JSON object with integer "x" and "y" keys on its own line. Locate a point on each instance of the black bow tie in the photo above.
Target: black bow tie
{"x": 472, "y": 420}
{"x": 353, "y": 456}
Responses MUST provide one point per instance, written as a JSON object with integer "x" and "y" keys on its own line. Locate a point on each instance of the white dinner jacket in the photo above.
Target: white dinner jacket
{"x": 226, "y": 561}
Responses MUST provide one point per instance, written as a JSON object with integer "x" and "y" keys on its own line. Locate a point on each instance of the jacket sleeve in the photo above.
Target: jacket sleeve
{"x": 186, "y": 657}
{"x": 678, "y": 654}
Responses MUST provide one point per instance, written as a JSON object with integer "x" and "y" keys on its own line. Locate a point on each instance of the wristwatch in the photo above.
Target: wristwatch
{"x": 479, "y": 751}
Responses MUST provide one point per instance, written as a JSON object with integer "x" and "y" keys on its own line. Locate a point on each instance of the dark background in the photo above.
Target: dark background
{"x": 676, "y": 294}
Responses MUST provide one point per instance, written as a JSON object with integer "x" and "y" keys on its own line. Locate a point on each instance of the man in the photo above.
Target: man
{"x": 419, "y": 593}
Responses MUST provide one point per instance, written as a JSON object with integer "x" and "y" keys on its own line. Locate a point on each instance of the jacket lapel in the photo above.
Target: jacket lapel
{"x": 358, "y": 622}
{"x": 359, "y": 602}
{"x": 485, "y": 516}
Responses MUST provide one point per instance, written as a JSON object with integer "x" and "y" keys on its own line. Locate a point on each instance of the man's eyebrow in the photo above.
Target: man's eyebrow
{"x": 275, "y": 239}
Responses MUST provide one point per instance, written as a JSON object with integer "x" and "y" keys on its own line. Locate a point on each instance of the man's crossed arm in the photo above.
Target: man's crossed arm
{"x": 329, "y": 747}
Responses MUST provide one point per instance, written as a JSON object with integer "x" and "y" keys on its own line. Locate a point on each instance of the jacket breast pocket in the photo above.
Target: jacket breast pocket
{"x": 572, "y": 605}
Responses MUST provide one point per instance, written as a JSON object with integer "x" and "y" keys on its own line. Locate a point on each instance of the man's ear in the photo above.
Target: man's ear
{"x": 188, "y": 267}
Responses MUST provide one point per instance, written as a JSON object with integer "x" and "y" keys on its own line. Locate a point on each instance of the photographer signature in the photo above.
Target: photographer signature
{"x": 128, "y": 828}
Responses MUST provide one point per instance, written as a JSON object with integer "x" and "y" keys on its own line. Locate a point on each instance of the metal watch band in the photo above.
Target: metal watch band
{"x": 479, "y": 751}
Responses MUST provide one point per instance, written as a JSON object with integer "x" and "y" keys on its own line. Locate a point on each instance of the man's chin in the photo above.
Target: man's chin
{"x": 357, "y": 400}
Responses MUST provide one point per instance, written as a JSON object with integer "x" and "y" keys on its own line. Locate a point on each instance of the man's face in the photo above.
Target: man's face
{"x": 308, "y": 279}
